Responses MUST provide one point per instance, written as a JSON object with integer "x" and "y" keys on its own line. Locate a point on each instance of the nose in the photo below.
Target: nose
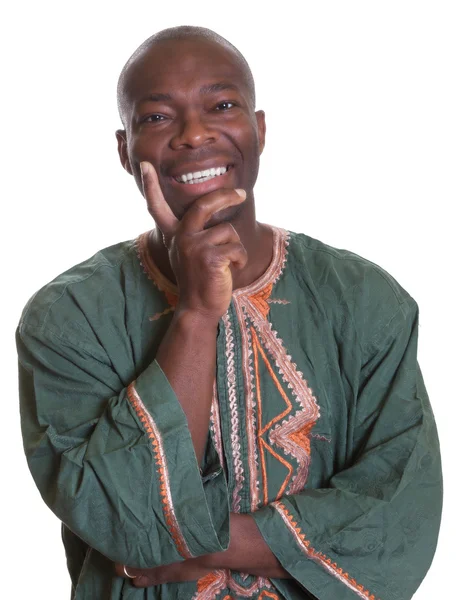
{"x": 193, "y": 132}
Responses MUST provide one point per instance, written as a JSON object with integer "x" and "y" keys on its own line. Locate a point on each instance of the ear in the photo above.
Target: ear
{"x": 261, "y": 122}
{"x": 120, "y": 134}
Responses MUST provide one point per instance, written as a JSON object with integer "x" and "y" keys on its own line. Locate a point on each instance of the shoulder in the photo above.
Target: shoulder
{"x": 350, "y": 285}
{"x": 342, "y": 268}
{"x": 83, "y": 290}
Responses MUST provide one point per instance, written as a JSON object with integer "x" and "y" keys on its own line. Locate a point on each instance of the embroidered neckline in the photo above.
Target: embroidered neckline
{"x": 271, "y": 274}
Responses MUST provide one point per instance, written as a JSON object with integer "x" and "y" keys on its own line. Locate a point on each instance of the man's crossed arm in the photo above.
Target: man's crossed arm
{"x": 247, "y": 553}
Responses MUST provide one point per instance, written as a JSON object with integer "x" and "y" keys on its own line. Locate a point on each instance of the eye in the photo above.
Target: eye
{"x": 154, "y": 119}
{"x": 223, "y": 106}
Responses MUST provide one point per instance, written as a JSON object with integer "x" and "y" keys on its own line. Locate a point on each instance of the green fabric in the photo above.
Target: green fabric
{"x": 322, "y": 427}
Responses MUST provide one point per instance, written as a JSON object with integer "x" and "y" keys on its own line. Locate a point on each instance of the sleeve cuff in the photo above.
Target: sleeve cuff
{"x": 195, "y": 508}
{"x": 312, "y": 569}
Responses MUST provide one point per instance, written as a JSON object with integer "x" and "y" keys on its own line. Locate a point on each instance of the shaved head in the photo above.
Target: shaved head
{"x": 184, "y": 32}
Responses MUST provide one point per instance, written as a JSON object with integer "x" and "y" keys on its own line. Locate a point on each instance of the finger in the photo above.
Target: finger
{"x": 156, "y": 203}
{"x": 127, "y": 572}
{"x": 204, "y": 208}
{"x": 143, "y": 581}
{"x": 233, "y": 253}
{"x": 224, "y": 233}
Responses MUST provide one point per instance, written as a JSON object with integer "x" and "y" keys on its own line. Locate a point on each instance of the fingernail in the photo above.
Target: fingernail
{"x": 144, "y": 168}
{"x": 241, "y": 193}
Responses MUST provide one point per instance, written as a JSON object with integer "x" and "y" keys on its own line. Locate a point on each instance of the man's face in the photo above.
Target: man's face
{"x": 188, "y": 110}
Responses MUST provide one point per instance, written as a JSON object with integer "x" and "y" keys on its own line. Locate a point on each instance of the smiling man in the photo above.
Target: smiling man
{"x": 223, "y": 408}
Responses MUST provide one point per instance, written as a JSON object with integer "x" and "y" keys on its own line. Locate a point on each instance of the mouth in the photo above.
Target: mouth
{"x": 193, "y": 178}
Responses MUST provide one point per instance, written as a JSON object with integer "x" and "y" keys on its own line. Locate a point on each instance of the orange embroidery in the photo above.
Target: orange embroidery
{"x": 209, "y": 586}
{"x": 319, "y": 557}
{"x": 257, "y": 350}
{"x": 172, "y": 299}
{"x": 155, "y": 275}
{"x": 291, "y": 434}
{"x": 266, "y": 594}
{"x": 301, "y": 437}
{"x": 162, "y": 470}
{"x": 260, "y": 299}
{"x": 157, "y": 316}
{"x": 206, "y": 581}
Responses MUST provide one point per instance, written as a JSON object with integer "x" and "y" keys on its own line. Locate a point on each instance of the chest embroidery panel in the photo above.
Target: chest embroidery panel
{"x": 262, "y": 409}
{"x": 270, "y": 437}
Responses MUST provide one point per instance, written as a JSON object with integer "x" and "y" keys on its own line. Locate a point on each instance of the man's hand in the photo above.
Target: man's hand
{"x": 188, "y": 570}
{"x": 200, "y": 258}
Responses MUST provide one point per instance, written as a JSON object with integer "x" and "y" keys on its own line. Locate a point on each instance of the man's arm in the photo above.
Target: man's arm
{"x": 248, "y": 552}
{"x": 119, "y": 464}
{"x": 373, "y": 531}
{"x": 201, "y": 261}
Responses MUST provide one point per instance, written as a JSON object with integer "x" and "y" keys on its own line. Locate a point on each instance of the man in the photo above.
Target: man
{"x": 318, "y": 473}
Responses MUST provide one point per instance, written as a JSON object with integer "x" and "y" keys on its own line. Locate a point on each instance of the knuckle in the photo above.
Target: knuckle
{"x": 184, "y": 246}
{"x": 229, "y": 229}
{"x": 144, "y": 581}
{"x": 200, "y": 205}
{"x": 210, "y": 260}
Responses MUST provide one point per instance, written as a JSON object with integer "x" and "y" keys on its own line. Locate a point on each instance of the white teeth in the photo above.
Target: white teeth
{"x": 201, "y": 176}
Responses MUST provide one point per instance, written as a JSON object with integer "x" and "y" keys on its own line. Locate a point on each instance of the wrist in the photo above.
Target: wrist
{"x": 214, "y": 561}
{"x": 195, "y": 320}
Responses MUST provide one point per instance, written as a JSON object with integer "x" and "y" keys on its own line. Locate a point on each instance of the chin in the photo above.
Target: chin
{"x": 227, "y": 215}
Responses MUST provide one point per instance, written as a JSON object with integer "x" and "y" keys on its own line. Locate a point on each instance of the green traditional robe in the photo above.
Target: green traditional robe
{"x": 320, "y": 426}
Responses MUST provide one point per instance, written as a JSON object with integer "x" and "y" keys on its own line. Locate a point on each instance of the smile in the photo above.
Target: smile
{"x": 201, "y": 176}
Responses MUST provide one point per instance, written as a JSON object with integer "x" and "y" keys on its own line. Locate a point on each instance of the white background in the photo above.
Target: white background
{"x": 362, "y": 102}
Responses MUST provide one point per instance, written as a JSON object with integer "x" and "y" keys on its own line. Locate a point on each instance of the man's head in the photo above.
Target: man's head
{"x": 187, "y": 101}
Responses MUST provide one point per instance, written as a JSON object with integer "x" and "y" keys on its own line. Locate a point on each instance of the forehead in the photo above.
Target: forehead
{"x": 179, "y": 65}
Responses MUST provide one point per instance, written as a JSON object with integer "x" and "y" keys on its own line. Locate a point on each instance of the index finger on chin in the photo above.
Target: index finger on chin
{"x": 156, "y": 203}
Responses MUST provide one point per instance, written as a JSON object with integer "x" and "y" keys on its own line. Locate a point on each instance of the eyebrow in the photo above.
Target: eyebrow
{"x": 204, "y": 90}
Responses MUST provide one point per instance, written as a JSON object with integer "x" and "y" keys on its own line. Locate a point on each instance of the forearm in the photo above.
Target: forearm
{"x": 247, "y": 552}
{"x": 187, "y": 356}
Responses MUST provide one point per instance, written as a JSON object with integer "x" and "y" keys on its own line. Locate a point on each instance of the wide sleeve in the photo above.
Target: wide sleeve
{"x": 373, "y": 531}
{"x": 116, "y": 464}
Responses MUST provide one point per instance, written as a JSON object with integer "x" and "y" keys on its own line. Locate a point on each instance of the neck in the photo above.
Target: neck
{"x": 256, "y": 238}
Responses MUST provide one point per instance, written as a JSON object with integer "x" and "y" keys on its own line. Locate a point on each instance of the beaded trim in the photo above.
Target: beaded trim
{"x": 234, "y": 415}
